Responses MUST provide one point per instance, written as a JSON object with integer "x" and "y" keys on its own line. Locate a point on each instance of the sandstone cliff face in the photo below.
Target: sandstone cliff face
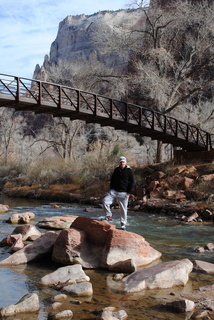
{"x": 81, "y": 36}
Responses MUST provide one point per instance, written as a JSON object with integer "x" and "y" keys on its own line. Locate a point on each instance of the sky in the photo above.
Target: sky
{"x": 28, "y": 27}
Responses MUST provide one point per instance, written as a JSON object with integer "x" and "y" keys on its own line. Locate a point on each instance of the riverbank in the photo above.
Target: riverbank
{"x": 181, "y": 191}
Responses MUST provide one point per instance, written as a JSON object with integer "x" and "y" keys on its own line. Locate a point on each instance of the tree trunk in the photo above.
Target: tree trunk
{"x": 159, "y": 151}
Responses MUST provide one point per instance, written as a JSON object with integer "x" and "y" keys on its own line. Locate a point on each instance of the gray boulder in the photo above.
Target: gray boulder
{"x": 203, "y": 266}
{"x": 36, "y": 250}
{"x": 69, "y": 275}
{"x": 56, "y": 222}
{"x": 28, "y": 303}
{"x": 162, "y": 275}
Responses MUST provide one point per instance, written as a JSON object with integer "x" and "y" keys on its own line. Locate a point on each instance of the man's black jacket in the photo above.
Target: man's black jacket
{"x": 122, "y": 180}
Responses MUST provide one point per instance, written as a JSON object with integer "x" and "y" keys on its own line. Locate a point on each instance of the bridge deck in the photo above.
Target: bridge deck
{"x": 61, "y": 101}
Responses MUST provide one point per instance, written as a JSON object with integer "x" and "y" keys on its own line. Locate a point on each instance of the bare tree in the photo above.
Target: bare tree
{"x": 60, "y": 138}
{"x": 175, "y": 66}
{"x": 10, "y": 131}
{"x": 176, "y": 63}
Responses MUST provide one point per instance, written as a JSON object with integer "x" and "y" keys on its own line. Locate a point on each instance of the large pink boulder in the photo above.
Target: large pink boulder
{"x": 98, "y": 244}
{"x": 122, "y": 245}
{"x": 95, "y": 230}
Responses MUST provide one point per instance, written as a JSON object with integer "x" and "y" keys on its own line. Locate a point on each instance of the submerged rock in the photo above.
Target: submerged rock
{"x": 83, "y": 289}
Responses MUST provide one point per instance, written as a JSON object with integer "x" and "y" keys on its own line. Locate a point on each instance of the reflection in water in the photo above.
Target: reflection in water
{"x": 174, "y": 239}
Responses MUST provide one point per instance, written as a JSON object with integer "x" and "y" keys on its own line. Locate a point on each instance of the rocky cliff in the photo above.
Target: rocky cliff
{"x": 81, "y": 37}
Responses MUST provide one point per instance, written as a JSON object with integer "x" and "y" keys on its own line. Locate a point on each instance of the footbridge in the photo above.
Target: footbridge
{"x": 24, "y": 94}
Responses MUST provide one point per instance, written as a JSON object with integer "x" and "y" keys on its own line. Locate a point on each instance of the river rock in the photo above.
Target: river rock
{"x": 72, "y": 247}
{"x": 68, "y": 275}
{"x": 27, "y": 231}
{"x": 180, "y": 306}
{"x": 111, "y": 313}
{"x": 59, "y": 297}
{"x": 96, "y": 231}
{"x": 209, "y": 246}
{"x": 25, "y": 217}
{"x": 82, "y": 289}
{"x": 185, "y": 183}
{"x": 4, "y": 208}
{"x": 123, "y": 245}
{"x": 127, "y": 266}
{"x": 98, "y": 244}
{"x": 36, "y": 250}
{"x": 57, "y": 222}
{"x": 28, "y": 303}
{"x": 203, "y": 266}
{"x": 18, "y": 242}
{"x": 65, "y": 314}
{"x": 162, "y": 275}
{"x": 207, "y": 177}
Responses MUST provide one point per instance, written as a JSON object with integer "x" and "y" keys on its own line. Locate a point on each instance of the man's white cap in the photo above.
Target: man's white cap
{"x": 122, "y": 159}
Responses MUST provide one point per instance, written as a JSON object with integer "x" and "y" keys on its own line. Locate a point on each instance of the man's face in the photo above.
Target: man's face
{"x": 122, "y": 164}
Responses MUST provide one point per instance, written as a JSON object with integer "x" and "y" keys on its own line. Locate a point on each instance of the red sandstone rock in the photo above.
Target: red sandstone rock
{"x": 185, "y": 183}
{"x": 207, "y": 177}
{"x": 98, "y": 244}
{"x": 124, "y": 245}
{"x": 72, "y": 247}
{"x": 153, "y": 185}
{"x": 95, "y": 230}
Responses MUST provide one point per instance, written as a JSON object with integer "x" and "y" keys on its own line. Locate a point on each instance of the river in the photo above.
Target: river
{"x": 173, "y": 238}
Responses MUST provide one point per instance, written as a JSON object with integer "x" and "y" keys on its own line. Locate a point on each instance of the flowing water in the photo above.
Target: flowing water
{"x": 174, "y": 239}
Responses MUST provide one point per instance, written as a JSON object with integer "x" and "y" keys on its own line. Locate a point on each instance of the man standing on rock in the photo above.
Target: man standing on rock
{"x": 121, "y": 186}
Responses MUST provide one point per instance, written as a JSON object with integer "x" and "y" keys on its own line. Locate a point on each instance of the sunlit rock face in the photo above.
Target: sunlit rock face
{"x": 96, "y": 37}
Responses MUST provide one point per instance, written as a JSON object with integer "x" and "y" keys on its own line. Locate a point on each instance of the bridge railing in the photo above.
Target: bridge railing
{"x": 63, "y": 100}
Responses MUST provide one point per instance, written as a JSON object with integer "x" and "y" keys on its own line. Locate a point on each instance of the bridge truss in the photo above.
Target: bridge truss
{"x": 24, "y": 94}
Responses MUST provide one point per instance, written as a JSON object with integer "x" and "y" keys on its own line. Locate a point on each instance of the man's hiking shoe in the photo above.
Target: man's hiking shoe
{"x": 123, "y": 227}
{"x": 108, "y": 218}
